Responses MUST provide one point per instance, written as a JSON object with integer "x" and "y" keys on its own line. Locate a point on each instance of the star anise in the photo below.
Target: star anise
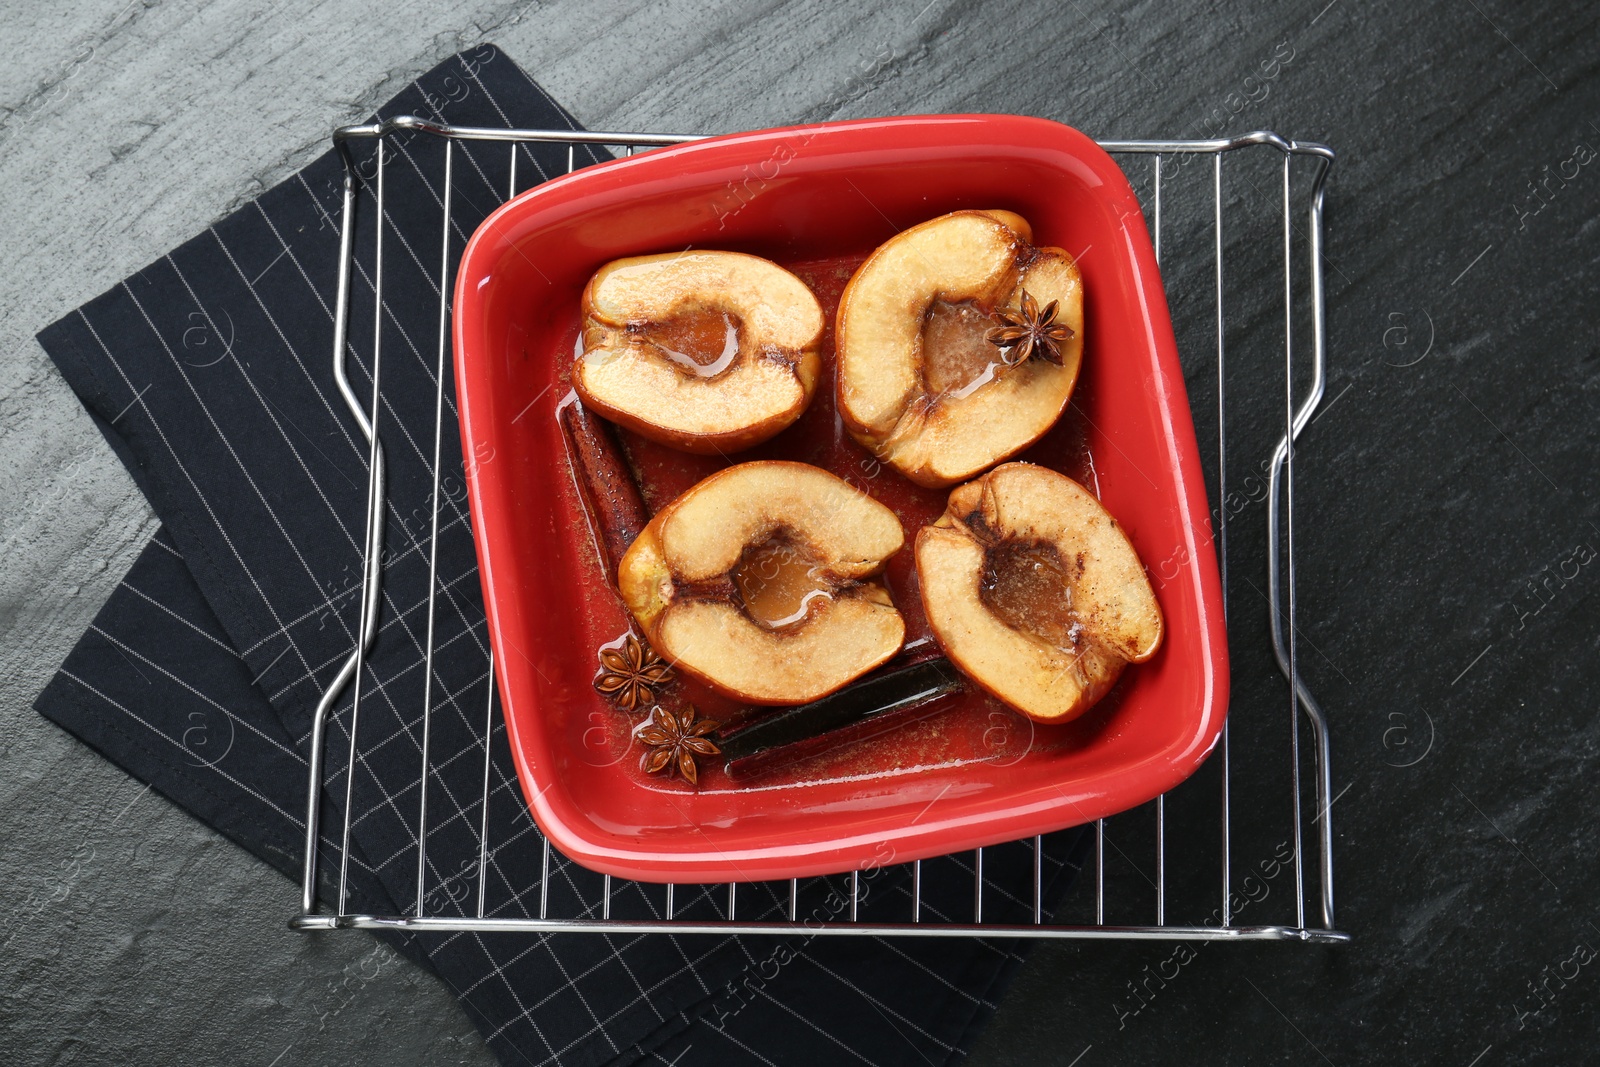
{"x": 673, "y": 741}
{"x": 1029, "y": 332}
{"x": 632, "y": 673}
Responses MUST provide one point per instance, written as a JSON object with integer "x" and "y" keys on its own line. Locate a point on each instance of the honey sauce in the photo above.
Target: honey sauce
{"x": 703, "y": 341}
{"x": 778, "y": 581}
{"x": 956, "y": 357}
{"x": 1027, "y": 585}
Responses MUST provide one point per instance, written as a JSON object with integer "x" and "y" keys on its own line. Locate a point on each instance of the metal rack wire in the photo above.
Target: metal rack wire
{"x": 1279, "y": 563}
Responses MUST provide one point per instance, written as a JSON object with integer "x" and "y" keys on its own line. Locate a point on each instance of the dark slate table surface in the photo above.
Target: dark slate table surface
{"x": 1448, "y": 535}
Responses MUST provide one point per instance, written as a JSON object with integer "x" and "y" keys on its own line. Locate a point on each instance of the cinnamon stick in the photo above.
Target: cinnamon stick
{"x": 878, "y": 703}
{"x": 616, "y": 508}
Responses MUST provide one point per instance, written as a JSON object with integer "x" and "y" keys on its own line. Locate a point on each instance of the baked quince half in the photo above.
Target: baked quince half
{"x": 760, "y": 582}
{"x": 958, "y": 345}
{"x": 704, "y": 351}
{"x": 1034, "y": 591}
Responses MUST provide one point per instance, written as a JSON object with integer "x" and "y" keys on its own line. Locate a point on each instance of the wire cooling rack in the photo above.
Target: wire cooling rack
{"x": 1257, "y": 775}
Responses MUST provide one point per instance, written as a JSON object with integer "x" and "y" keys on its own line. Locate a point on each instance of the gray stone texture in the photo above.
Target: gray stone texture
{"x": 1435, "y": 496}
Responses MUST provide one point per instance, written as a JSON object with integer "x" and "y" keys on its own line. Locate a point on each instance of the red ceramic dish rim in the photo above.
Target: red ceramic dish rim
{"x": 1023, "y": 814}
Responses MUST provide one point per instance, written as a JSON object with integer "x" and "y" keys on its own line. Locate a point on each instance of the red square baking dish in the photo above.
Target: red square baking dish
{"x": 818, "y": 200}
